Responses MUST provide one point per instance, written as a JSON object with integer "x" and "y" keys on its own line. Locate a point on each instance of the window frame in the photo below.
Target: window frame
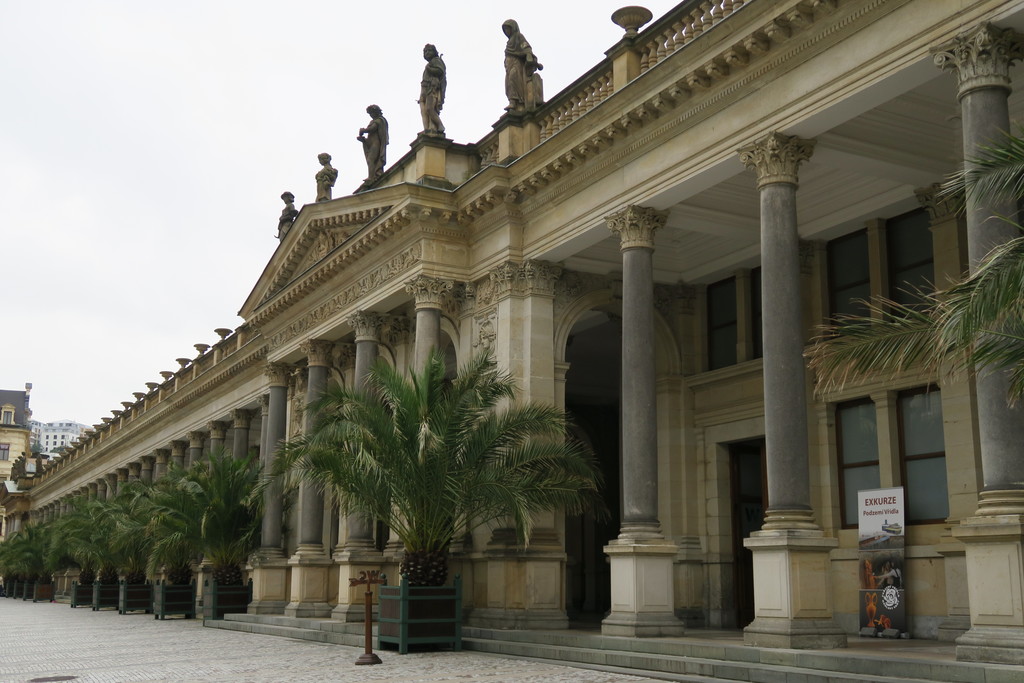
{"x": 842, "y": 467}
{"x": 903, "y": 457}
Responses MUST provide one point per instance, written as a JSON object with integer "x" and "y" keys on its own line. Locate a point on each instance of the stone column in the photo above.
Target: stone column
{"x": 264, "y": 411}
{"x": 428, "y": 293}
{"x": 196, "y": 440}
{"x": 641, "y": 558}
{"x": 792, "y": 571}
{"x": 178, "y": 449}
{"x": 134, "y": 471}
{"x": 240, "y": 433}
{"x": 980, "y": 59}
{"x": 358, "y": 553}
{"x": 218, "y": 433}
{"x": 146, "y": 468}
{"x": 162, "y": 457}
{"x": 270, "y": 567}
{"x": 310, "y": 564}
{"x": 98, "y": 489}
{"x": 111, "y": 480}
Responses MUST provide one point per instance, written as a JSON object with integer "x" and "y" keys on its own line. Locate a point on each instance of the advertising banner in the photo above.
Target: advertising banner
{"x": 883, "y": 611}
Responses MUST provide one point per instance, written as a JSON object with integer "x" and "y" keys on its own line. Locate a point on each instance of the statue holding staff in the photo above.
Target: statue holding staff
{"x": 375, "y": 142}
{"x": 432, "y": 89}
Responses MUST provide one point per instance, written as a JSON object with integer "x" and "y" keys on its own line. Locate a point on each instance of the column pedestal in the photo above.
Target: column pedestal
{"x": 958, "y": 606}
{"x": 792, "y": 591}
{"x": 525, "y": 586}
{"x": 995, "y": 565}
{"x": 310, "y": 570}
{"x": 269, "y": 583}
{"x": 642, "y": 595}
{"x": 351, "y": 605}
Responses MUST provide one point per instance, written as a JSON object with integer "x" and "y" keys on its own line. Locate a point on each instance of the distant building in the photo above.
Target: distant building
{"x": 15, "y": 434}
{"x": 54, "y": 437}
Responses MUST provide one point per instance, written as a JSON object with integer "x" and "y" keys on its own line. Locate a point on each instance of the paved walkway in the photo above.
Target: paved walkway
{"x": 52, "y": 642}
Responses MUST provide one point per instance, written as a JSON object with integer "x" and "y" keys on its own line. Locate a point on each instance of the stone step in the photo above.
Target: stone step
{"x": 319, "y": 635}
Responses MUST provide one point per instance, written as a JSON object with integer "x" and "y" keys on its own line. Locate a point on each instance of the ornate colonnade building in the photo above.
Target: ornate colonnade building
{"x": 610, "y": 247}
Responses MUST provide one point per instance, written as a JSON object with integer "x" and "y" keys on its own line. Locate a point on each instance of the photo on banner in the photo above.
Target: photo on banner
{"x": 883, "y": 610}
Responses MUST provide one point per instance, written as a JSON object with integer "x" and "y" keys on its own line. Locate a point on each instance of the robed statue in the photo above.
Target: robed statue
{"x": 375, "y": 143}
{"x": 325, "y": 178}
{"x": 523, "y": 85}
{"x": 432, "y": 89}
{"x": 288, "y": 215}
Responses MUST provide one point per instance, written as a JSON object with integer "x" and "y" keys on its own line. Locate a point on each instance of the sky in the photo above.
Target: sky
{"x": 144, "y": 147}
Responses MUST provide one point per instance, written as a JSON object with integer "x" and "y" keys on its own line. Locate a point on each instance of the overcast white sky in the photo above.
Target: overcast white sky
{"x": 144, "y": 147}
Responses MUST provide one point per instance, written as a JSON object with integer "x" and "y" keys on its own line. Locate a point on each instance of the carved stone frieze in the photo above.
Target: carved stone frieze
{"x": 318, "y": 352}
{"x": 218, "y": 430}
{"x": 673, "y": 300}
{"x": 776, "y": 157}
{"x": 343, "y": 356}
{"x": 635, "y": 226}
{"x": 485, "y": 330}
{"x": 397, "y": 330}
{"x": 429, "y": 292}
{"x": 572, "y": 285}
{"x": 938, "y": 205}
{"x": 240, "y": 418}
{"x": 264, "y": 401}
{"x": 277, "y": 374}
{"x": 367, "y": 325}
{"x": 981, "y": 57}
{"x": 522, "y": 279}
{"x": 196, "y": 439}
{"x": 371, "y": 281}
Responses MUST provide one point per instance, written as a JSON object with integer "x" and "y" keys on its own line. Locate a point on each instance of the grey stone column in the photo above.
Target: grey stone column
{"x": 111, "y": 482}
{"x": 195, "y": 447}
{"x": 98, "y": 489}
{"x": 311, "y": 500}
{"x": 146, "y": 468}
{"x": 162, "y": 457}
{"x": 428, "y": 294}
{"x": 264, "y": 411}
{"x": 240, "y": 433}
{"x": 776, "y": 158}
{"x": 981, "y": 59}
{"x": 277, "y": 416}
{"x": 218, "y": 433}
{"x": 359, "y": 532}
{"x": 635, "y": 226}
{"x": 134, "y": 471}
{"x": 178, "y": 449}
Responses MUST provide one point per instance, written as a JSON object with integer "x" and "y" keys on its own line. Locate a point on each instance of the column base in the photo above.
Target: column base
{"x": 643, "y": 603}
{"x": 994, "y": 545}
{"x": 269, "y": 582}
{"x": 350, "y": 607}
{"x": 525, "y": 585}
{"x": 792, "y": 590}
{"x": 309, "y": 583}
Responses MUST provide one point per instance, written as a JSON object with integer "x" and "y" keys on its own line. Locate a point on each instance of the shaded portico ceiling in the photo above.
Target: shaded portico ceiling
{"x": 872, "y": 152}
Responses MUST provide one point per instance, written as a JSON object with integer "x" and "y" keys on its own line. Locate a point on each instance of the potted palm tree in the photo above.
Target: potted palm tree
{"x": 176, "y": 545}
{"x": 130, "y": 511}
{"x": 434, "y": 459}
{"x": 80, "y": 533}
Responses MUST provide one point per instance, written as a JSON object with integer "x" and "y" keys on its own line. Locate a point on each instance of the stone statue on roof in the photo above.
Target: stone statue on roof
{"x": 288, "y": 215}
{"x": 325, "y": 178}
{"x": 432, "y": 91}
{"x": 523, "y": 85}
{"x": 375, "y": 143}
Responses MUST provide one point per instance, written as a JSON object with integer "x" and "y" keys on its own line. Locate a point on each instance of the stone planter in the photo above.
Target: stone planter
{"x": 81, "y": 595}
{"x": 169, "y": 599}
{"x": 104, "y": 595}
{"x": 420, "y": 615}
{"x": 221, "y": 600}
{"x": 43, "y": 592}
{"x": 136, "y": 597}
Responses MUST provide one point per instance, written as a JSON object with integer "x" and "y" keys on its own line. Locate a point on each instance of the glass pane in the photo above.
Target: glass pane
{"x": 722, "y": 347}
{"x": 906, "y": 283}
{"x": 927, "y": 497}
{"x": 857, "y": 479}
{"x": 722, "y": 303}
{"x": 922, "y": 423}
{"x": 857, "y": 433}
{"x": 848, "y": 260}
{"x": 909, "y": 240}
{"x": 848, "y": 300}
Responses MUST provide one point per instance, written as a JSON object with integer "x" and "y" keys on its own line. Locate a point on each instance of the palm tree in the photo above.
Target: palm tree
{"x": 212, "y": 509}
{"x": 85, "y": 532}
{"x": 25, "y": 553}
{"x": 435, "y": 459}
{"x": 975, "y": 324}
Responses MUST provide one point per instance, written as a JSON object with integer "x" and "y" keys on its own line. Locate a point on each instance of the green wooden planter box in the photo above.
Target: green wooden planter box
{"x": 104, "y": 595}
{"x": 221, "y": 600}
{"x": 134, "y": 598}
{"x": 170, "y": 599}
{"x": 81, "y": 594}
{"x": 420, "y": 615}
{"x": 28, "y": 589}
{"x": 43, "y": 592}
{"x": 13, "y": 588}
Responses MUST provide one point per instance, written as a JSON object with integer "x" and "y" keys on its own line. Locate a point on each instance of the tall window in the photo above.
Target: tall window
{"x": 856, "y": 435}
{"x": 722, "y": 328}
{"x": 5, "y": 451}
{"x": 755, "y": 312}
{"x": 909, "y": 248}
{"x": 923, "y": 455}
{"x": 7, "y": 413}
{"x": 848, "y": 274}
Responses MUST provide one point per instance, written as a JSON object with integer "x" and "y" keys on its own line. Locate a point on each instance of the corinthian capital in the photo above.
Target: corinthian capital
{"x": 277, "y": 374}
{"x": 776, "y": 158}
{"x": 981, "y": 57}
{"x": 318, "y": 352}
{"x": 428, "y": 292}
{"x": 367, "y": 325}
{"x": 635, "y": 226}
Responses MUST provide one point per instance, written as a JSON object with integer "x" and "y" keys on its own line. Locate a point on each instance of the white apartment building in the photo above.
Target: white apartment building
{"x": 53, "y": 435}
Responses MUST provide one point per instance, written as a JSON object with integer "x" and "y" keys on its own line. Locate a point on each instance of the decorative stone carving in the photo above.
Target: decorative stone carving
{"x": 288, "y": 215}
{"x": 485, "y": 334}
{"x": 672, "y": 300}
{"x": 343, "y": 356}
{"x": 808, "y": 251}
{"x": 325, "y": 178}
{"x": 776, "y": 158}
{"x": 432, "y": 91}
{"x": 429, "y": 292}
{"x": 277, "y": 374}
{"x": 981, "y": 57}
{"x": 240, "y": 418}
{"x": 162, "y": 456}
{"x": 367, "y": 325}
{"x": 523, "y": 85}
{"x": 375, "y": 143}
{"x": 264, "y": 401}
{"x": 635, "y": 226}
{"x": 318, "y": 352}
{"x": 631, "y": 18}
{"x": 178, "y": 449}
{"x": 218, "y": 430}
{"x": 573, "y": 285}
{"x": 397, "y": 330}
{"x": 524, "y": 279}
{"x": 937, "y": 204}
{"x": 196, "y": 439}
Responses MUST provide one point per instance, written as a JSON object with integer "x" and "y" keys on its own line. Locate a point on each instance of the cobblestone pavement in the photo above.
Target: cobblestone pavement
{"x": 51, "y": 642}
